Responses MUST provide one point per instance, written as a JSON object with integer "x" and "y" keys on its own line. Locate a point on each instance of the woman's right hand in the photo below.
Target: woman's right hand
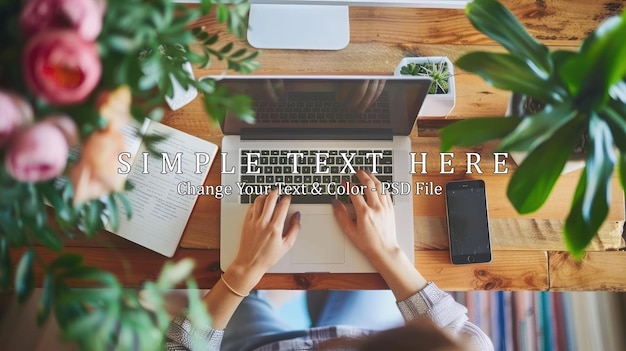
{"x": 373, "y": 231}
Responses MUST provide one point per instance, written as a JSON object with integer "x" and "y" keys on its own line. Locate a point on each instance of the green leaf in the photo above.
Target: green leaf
{"x": 128, "y": 207}
{"x": 211, "y": 40}
{"x": 618, "y": 92}
{"x": 92, "y": 222}
{"x": 226, "y": 48}
{"x": 5, "y": 264}
{"x": 503, "y": 71}
{"x": 122, "y": 44}
{"x": 622, "y": 169}
{"x": 534, "y": 130}
{"x": 600, "y": 64}
{"x": 207, "y": 86}
{"x": 156, "y": 114}
{"x": 241, "y": 106}
{"x": 497, "y": 22}
{"x": 238, "y": 53}
{"x": 198, "y": 316}
{"x": 534, "y": 179}
{"x": 48, "y": 238}
{"x": 592, "y": 197}
{"x": 62, "y": 209}
{"x": 617, "y": 125}
{"x": 222, "y": 13}
{"x": 174, "y": 273}
{"x": 600, "y": 163}
{"x": 45, "y": 304}
{"x": 78, "y": 328}
{"x": 24, "y": 276}
{"x": 475, "y": 131}
{"x": 66, "y": 261}
{"x": 205, "y": 6}
{"x": 112, "y": 211}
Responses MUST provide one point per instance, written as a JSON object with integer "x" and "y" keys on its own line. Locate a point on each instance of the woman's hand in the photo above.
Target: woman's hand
{"x": 263, "y": 242}
{"x": 264, "y": 239}
{"x": 374, "y": 231}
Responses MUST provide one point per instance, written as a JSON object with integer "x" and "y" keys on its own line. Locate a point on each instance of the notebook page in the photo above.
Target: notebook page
{"x": 160, "y": 213}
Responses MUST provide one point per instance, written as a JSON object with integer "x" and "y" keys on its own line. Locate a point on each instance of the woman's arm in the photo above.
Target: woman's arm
{"x": 264, "y": 240}
{"x": 373, "y": 232}
{"x": 263, "y": 243}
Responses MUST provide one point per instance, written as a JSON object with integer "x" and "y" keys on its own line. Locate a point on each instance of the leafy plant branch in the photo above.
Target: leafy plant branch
{"x": 584, "y": 97}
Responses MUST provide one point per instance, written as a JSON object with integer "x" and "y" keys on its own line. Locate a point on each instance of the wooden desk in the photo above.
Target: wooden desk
{"x": 528, "y": 250}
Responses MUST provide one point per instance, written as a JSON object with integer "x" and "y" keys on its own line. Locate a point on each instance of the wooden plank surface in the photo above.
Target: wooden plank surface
{"x": 380, "y": 37}
{"x": 596, "y": 271}
{"x": 524, "y": 270}
{"x": 540, "y": 230}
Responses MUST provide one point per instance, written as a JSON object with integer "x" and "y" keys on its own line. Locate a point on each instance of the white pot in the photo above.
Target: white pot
{"x": 435, "y": 105}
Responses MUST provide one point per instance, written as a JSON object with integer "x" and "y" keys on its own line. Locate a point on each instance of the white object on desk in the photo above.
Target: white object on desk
{"x": 181, "y": 95}
{"x": 435, "y": 105}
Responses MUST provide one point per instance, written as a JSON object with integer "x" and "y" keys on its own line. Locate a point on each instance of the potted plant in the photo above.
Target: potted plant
{"x": 442, "y": 94}
{"x": 583, "y": 95}
{"x": 71, "y": 74}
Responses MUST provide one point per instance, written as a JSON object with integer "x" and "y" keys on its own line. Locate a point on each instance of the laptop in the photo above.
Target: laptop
{"x": 333, "y": 125}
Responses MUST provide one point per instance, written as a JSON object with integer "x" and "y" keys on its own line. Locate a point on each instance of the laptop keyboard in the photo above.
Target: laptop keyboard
{"x": 320, "y": 108}
{"x": 276, "y": 167}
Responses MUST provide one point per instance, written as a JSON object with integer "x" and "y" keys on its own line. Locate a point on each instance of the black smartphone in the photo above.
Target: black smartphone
{"x": 468, "y": 222}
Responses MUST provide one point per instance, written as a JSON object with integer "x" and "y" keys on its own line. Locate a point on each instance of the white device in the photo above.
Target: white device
{"x": 315, "y": 24}
{"x": 384, "y": 124}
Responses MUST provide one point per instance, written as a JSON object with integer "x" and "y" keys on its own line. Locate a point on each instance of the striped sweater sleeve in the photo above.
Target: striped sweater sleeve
{"x": 437, "y": 305}
{"x": 180, "y": 336}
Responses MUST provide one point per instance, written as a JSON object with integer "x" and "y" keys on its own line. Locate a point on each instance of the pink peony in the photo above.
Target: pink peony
{"x": 83, "y": 16}
{"x": 61, "y": 67}
{"x": 37, "y": 153}
{"x": 14, "y": 112}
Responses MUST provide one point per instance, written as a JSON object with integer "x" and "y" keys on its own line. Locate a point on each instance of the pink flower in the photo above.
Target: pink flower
{"x": 38, "y": 152}
{"x": 95, "y": 174}
{"x": 14, "y": 112}
{"x": 83, "y": 16}
{"x": 61, "y": 67}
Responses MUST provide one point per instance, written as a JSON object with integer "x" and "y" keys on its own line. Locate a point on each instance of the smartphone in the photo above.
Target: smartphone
{"x": 468, "y": 222}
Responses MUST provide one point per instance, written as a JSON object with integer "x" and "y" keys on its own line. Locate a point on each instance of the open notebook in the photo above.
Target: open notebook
{"x": 160, "y": 213}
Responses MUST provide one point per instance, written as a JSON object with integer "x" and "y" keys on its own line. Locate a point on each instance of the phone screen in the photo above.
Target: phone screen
{"x": 468, "y": 222}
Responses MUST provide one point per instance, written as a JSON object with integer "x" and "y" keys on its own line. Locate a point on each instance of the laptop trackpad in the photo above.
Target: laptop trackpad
{"x": 320, "y": 241}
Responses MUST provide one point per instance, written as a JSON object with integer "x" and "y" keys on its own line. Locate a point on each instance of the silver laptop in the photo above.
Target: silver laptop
{"x": 331, "y": 124}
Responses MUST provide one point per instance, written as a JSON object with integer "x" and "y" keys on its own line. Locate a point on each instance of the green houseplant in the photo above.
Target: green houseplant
{"x": 584, "y": 96}
{"x": 441, "y": 96}
{"x": 72, "y": 72}
{"x": 438, "y": 71}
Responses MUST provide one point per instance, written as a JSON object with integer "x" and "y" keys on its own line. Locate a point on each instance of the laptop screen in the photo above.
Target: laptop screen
{"x": 314, "y": 106}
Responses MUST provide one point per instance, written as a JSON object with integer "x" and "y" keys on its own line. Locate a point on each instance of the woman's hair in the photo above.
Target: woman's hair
{"x": 418, "y": 335}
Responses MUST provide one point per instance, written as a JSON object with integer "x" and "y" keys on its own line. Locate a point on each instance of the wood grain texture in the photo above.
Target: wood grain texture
{"x": 380, "y": 37}
{"x": 541, "y": 230}
{"x": 557, "y": 22}
{"x": 596, "y": 271}
{"x": 525, "y": 270}
{"x": 509, "y": 270}
{"x": 517, "y": 234}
